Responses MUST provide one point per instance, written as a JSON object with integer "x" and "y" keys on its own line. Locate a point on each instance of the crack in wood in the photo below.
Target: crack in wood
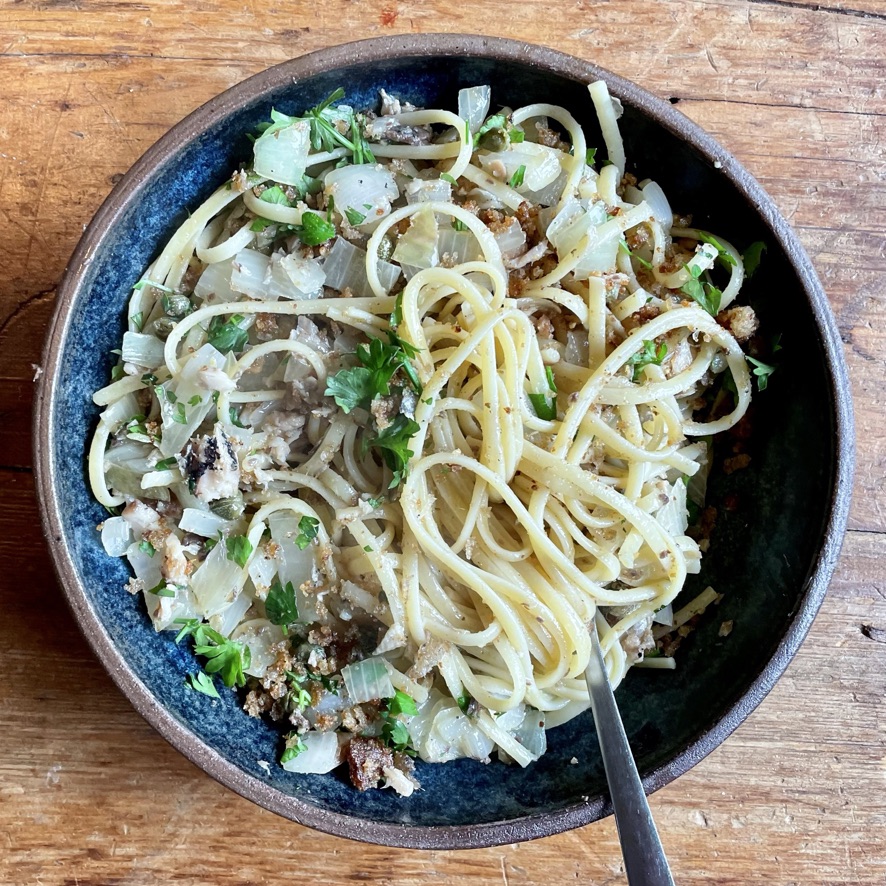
{"x": 816, "y": 7}
{"x": 23, "y": 306}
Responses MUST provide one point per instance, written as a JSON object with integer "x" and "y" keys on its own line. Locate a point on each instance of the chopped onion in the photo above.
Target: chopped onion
{"x": 282, "y": 155}
{"x": 549, "y": 194}
{"x": 672, "y": 517}
{"x": 345, "y": 267}
{"x": 250, "y": 273}
{"x": 295, "y": 277}
{"x": 116, "y": 536}
{"x": 531, "y": 733}
{"x": 262, "y": 568}
{"x": 428, "y": 191}
{"x": 294, "y": 564}
{"x": 203, "y": 523}
{"x": 577, "y": 348}
{"x": 120, "y": 411}
{"x": 658, "y": 203}
{"x": 511, "y": 241}
{"x": 227, "y": 620}
{"x": 145, "y": 566}
{"x": 542, "y": 165}
{"x": 143, "y": 350}
{"x": 214, "y": 284}
{"x": 217, "y": 582}
{"x": 176, "y": 433}
{"x": 368, "y": 680}
{"x": 459, "y": 246}
{"x": 366, "y": 189}
{"x": 164, "y": 611}
{"x": 261, "y": 637}
{"x": 358, "y": 597}
{"x": 473, "y": 105}
{"x": 153, "y": 479}
{"x": 665, "y": 615}
{"x": 322, "y": 753}
{"x": 418, "y": 246}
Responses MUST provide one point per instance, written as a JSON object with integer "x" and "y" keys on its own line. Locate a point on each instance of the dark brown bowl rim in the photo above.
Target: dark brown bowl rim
{"x": 378, "y": 49}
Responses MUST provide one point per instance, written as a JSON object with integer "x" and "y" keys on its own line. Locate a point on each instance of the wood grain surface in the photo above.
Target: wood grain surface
{"x": 89, "y": 794}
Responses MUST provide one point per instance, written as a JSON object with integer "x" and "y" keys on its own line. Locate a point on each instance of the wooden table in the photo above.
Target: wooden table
{"x": 90, "y": 794}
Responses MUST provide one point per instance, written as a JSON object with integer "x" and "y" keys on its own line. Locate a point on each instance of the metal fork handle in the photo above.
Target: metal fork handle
{"x": 644, "y": 857}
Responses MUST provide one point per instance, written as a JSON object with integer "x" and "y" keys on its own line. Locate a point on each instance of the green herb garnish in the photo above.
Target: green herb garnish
{"x": 762, "y": 371}
{"x": 517, "y": 177}
{"x": 354, "y": 218}
{"x": 294, "y": 747}
{"x": 307, "y": 531}
{"x": 649, "y": 355}
{"x": 280, "y": 604}
{"x": 393, "y": 443}
{"x": 723, "y": 255}
{"x": 239, "y": 549}
{"x": 227, "y": 335}
{"x": 147, "y": 548}
{"x": 202, "y": 682}
{"x": 752, "y": 256}
{"x": 314, "y": 229}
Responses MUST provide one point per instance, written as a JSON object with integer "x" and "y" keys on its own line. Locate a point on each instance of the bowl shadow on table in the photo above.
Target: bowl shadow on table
{"x": 762, "y": 545}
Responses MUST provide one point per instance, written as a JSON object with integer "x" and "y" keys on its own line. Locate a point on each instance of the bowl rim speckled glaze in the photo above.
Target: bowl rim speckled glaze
{"x": 70, "y": 291}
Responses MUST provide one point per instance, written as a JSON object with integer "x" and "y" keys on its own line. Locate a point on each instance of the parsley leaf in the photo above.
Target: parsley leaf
{"x": 202, "y": 682}
{"x": 590, "y": 155}
{"x": 167, "y": 463}
{"x": 280, "y": 604}
{"x": 294, "y": 747}
{"x": 354, "y": 218}
{"x": 180, "y": 416}
{"x": 517, "y": 177}
{"x": 649, "y": 355}
{"x": 239, "y": 549}
{"x": 142, "y": 283}
{"x": 445, "y": 176}
{"x": 162, "y": 589}
{"x": 117, "y": 373}
{"x": 314, "y": 229}
{"x": 234, "y": 418}
{"x": 459, "y": 225}
{"x": 274, "y": 195}
{"x": 147, "y": 548}
{"x": 705, "y": 294}
{"x": 394, "y": 732}
{"x": 762, "y": 371}
{"x": 393, "y": 442}
{"x": 307, "y": 531}
{"x": 463, "y": 701}
{"x": 225, "y": 657}
{"x": 137, "y": 321}
{"x": 227, "y": 335}
{"x": 724, "y": 256}
{"x": 752, "y": 256}
{"x": 623, "y": 246}
{"x": 496, "y": 121}
{"x": 397, "y": 313}
{"x": 351, "y": 388}
{"x": 544, "y": 408}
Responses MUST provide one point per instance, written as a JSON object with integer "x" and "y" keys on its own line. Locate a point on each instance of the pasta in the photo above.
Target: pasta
{"x": 403, "y": 409}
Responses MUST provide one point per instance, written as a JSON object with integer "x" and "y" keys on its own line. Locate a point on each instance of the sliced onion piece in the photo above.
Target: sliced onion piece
{"x": 322, "y": 753}
{"x": 282, "y": 155}
{"x": 473, "y": 105}
{"x": 116, "y": 536}
{"x": 365, "y": 189}
{"x": 368, "y": 680}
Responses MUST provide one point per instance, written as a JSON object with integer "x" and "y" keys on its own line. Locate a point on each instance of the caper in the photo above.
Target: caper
{"x": 494, "y": 140}
{"x": 385, "y": 248}
{"x": 228, "y": 508}
{"x": 176, "y": 305}
{"x": 163, "y": 326}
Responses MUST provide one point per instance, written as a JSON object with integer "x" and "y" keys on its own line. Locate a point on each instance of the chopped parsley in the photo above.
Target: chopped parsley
{"x": 723, "y": 255}
{"x": 239, "y": 549}
{"x": 380, "y": 362}
{"x": 623, "y": 246}
{"x": 314, "y": 229}
{"x": 307, "y": 531}
{"x": 167, "y": 463}
{"x": 162, "y": 590}
{"x": 137, "y": 320}
{"x": 752, "y": 256}
{"x": 463, "y": 702}
{"x": 142, "y": 283}
{"x": 762, "y": 371}
{"x": 147, "y": 548}
{"x": 517, "y": 177}
{"x": 280, "y": 604}
{"x": 394, "y": 732}
{"x": 397, "y": 313}
{"x": 202, "y": 682}
{"x": 705, "y": 294}
{"x": 149, "y": 379}
{"x": 459, "y": 225}
{"x": 445, "y": 176}
{"x": 274, "y": 195}
{"x": 227, "y": 335}
{"x": 496, "y": 121}
{"x": 354, "y": 218}
{"x": 590, "y": 156}
{"x": 234, "y": 417}
{"x": 546, "y": 408}
{"x": 227, "y": 658}
{"x": 294, "y": 747}
{"x": 195, "y": 400}
{"x": 179, "y": 415}
{"x": 648, "y": 355}
{"x": 117, "y": 373}
{"x": 393, "y": 443}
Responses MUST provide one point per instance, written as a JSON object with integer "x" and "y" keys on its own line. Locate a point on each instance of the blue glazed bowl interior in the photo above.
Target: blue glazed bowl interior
{"x": 771, "y": 516}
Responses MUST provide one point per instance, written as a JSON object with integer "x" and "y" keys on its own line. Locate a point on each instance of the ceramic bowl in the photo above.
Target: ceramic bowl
{"x": 777, "y": 537}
